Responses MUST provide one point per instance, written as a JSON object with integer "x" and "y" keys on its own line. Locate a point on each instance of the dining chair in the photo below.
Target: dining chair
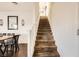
{"x": 2, "y": 48}
{"x": 16, "y": 37}
{"x": 4, "y": 34}
{"x": 9, "y": 34}
{"x": 1, "y": 34}
{"x": 9, "y": 45}
{"x": 13, "y": 34}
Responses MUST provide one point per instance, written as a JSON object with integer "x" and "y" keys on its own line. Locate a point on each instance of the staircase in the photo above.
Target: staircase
{"x": 45, "y": 43}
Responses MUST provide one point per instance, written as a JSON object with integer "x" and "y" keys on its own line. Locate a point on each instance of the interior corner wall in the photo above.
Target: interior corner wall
{"x": 78, "y": 26}
{"x": 63, "y": 21}
{"x": 33, "y": 31}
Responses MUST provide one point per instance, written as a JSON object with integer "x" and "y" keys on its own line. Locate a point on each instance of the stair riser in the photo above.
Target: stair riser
{"x": 43, "y": 21}
{"x": 50, "y": 53}
{"x": 45, "y": 50}
{"x": 39, "y": 37}
{"x": 44, "y": 27}
{"x": 44, "y": 30}
{"x": 41, "y": 33}
{"x": 45, "y": 43}
{"x": 42, "y": 55}
{"x": 44, "y": 24}
{"x": 40, "y": 50}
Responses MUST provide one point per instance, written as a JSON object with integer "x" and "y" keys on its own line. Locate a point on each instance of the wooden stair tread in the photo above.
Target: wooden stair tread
{"x": 44, "y": 31}
{"x": 42, "y": 43}
{"x": 45, "y": 43}
{"x": 48, "y": 54}
{"x": 45, "y": 50}
{"x": 44, "y": 28}
{"x": 45, "y": 40}
{"x": 46, "y": 46}
{"x": 44, "y": 25}
{"x": 44, "y": 37}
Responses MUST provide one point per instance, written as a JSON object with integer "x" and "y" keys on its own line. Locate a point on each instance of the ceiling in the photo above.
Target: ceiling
{"x": 10, "y": 6}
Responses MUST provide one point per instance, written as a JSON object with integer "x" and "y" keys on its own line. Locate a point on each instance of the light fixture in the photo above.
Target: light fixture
{"x": 22, "y": 22}
{"x": 15, "y": 3}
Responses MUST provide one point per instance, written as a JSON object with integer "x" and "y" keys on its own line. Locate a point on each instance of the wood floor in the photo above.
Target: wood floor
{"x": 45, "y": 43}
{"x": 22, "y": 52}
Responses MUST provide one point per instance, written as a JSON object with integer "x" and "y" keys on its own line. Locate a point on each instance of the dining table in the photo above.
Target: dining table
{"x": 2, "y": 41}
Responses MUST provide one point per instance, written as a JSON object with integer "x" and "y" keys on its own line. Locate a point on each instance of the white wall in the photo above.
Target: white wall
{"x": 78, "y": 25}
{"x": 63, "y": 21}
{"x": 21, "y": 10}
{"x": 33, "y": 31}
{"x": 29, "y": 11}
{"x": 21, "y": 29}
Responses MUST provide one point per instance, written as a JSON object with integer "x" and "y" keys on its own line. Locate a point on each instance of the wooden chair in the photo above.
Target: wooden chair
{"x": 16, "y": 37}
{"x": 1, "y": 48}
{"x": 1, "y": 34}
{"x": 9, "y": 45}
{"x": 4, "y": 34}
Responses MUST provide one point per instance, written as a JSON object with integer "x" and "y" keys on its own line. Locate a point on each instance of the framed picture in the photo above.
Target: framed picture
{"x": 12, "y": 22}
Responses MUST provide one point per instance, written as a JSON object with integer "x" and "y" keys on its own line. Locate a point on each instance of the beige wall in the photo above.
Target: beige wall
{"x": 63, "y": 22}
